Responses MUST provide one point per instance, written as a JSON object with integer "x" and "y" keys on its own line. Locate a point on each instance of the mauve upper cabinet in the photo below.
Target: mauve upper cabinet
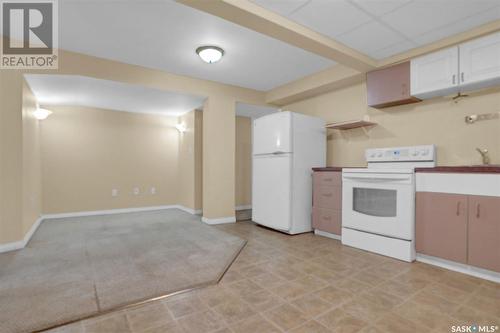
{"x": 390, "y": 86}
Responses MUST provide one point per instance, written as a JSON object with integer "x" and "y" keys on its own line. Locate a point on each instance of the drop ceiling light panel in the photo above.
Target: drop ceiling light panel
{"x": 459, "y": 26}
{"x": 419, "y": 16}
{"x": 282, "y": 7}
{"x": 380, "y": 7}
{"x": 371, "y": 37}
{"x": 330, "y": 18}
{"x": 382, "y": 28}
{"x": 165, "y": 34}
{"x": 72, "y": 90}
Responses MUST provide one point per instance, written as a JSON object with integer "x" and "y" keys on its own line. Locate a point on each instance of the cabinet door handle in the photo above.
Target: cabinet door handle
{"x": 453, "y": 79}
{"x": 458, "y": 208}
{"x": 478, "y": 210}
{"x": 328, "y": 179}
{"x": 462, "y": 76}
{"x": 327, "y": 195}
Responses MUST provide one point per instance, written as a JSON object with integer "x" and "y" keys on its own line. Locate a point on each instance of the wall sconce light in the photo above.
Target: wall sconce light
{"x": 41, "y": 114}
{"x": 181, "y": 127}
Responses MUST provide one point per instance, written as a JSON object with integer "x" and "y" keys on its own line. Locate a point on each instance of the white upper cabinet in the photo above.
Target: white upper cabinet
{"x": 435, "y": 74}
{"x": 480, "y": 62}
{"x": 468, "y": 66}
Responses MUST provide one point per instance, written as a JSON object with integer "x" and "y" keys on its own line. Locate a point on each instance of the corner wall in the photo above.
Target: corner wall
{"x": 11, "y": 156}
{"x": 218, "y": 159}
{"x": 31, "y": 162}
{"x": 190, "y": 163}
{"x": 243, "y": 162}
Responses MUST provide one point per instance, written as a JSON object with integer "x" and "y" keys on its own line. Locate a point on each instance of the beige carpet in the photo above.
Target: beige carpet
{"x": 74, "y": 268}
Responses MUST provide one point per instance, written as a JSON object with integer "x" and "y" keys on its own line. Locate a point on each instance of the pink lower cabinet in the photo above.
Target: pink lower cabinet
{"x": 327, "y": 220}
{"x": 441, "y": 225}
{"x": 327, "y": 201}
{"x": 327, "y": 197}
{"x": 484, "y": 232}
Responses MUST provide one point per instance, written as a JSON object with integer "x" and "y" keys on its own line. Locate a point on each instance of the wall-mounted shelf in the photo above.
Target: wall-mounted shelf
{"x": 350, "y": 124}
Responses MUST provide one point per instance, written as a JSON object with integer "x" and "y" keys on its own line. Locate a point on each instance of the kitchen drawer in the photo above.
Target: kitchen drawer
{"x": 329, "y": 197}
{"x": 327, "y": 178}
{"x": 328, "y": 220}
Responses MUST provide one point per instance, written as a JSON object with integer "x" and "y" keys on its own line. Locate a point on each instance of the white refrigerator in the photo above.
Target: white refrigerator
{"x": 286, "y": 146}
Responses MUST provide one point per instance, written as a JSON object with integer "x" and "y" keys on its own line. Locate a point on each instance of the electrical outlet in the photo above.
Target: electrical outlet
{"x": 114, "y": 192}
{"x": 136, "y": 191}
{"x": 153, "y": 190}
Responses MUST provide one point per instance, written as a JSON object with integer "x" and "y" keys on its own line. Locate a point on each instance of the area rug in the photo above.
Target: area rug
{"x": 74, "y": 268}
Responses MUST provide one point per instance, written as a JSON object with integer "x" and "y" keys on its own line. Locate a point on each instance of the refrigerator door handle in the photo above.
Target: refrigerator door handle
{"x": 278, "y": 152}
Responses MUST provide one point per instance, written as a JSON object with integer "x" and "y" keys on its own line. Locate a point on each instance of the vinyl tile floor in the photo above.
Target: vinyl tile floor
{"x": 309, "y": 283}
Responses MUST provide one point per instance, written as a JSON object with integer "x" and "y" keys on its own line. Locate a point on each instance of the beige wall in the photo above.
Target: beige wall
{"x": 190, "y": 163}
{"x": 439, "y": 121}
{"x": 243, "y": 161}
{"x": 218, "y": 157}
{"x": 87, "y": 152}
{"x": 11, "y": 136}
{"x": 198, "y": 158}
{"x": 32, "y": 182}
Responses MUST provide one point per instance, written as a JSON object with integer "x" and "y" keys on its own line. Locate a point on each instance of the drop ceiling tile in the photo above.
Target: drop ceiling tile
{"x": 330, "y": 17}
{"x": 370, "y": 37}
{"x": 459, "y": 26}
{"x": 423, "y": 16}
{"x": 393, "y": 50}
{"x": 282, "y": 7}
{"x": 380, "y": 7}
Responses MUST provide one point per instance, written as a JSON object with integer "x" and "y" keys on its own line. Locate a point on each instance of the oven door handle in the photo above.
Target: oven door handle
{"x": 372, "y": 179}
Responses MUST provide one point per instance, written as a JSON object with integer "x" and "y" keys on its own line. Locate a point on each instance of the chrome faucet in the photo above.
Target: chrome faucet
{"x": 484, "y": 155}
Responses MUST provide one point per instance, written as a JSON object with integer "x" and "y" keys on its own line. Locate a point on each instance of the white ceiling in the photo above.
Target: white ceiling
{"x": 253, "y": 111}
{"x": 382, "y": 28}
{"x": 71, "y": 90}
{"x": 163, "y": 34}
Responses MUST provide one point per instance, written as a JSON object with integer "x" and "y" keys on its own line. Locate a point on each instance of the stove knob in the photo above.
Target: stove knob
{"x": 416, "y": 153}
{"x": 379, "y": 155}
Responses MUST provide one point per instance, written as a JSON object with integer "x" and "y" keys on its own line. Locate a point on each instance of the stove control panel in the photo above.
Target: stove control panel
{"x": 401, "y": 154}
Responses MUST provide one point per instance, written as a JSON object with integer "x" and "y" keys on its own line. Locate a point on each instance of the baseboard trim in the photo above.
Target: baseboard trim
{"x": 13, "y": 246}
{"x": 461, "y": 268}
{"x": 327, "y": 234}
{"x": 243, "y": 207}
{"x": 32, "y": 230}
{"x": 189, "y": 210}
{"x": 107, "y": 212}
{"x": 219, "y": 220}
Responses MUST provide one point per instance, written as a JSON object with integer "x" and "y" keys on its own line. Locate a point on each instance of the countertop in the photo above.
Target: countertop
{"x": 462, "y": 169}
{"x": 327, "y": 169}
{"x": 438, "y": 169}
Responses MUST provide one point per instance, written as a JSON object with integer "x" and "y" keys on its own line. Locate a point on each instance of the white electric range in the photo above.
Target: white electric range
{"x": 378, "y": 202}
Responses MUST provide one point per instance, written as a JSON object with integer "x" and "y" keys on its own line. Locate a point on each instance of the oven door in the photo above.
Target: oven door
{"x": 380, "y": 203}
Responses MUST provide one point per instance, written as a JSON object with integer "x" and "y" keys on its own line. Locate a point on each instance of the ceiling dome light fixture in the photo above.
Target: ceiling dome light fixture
{"x": 41, "y": 114}
{"x": 210, "y": 54}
